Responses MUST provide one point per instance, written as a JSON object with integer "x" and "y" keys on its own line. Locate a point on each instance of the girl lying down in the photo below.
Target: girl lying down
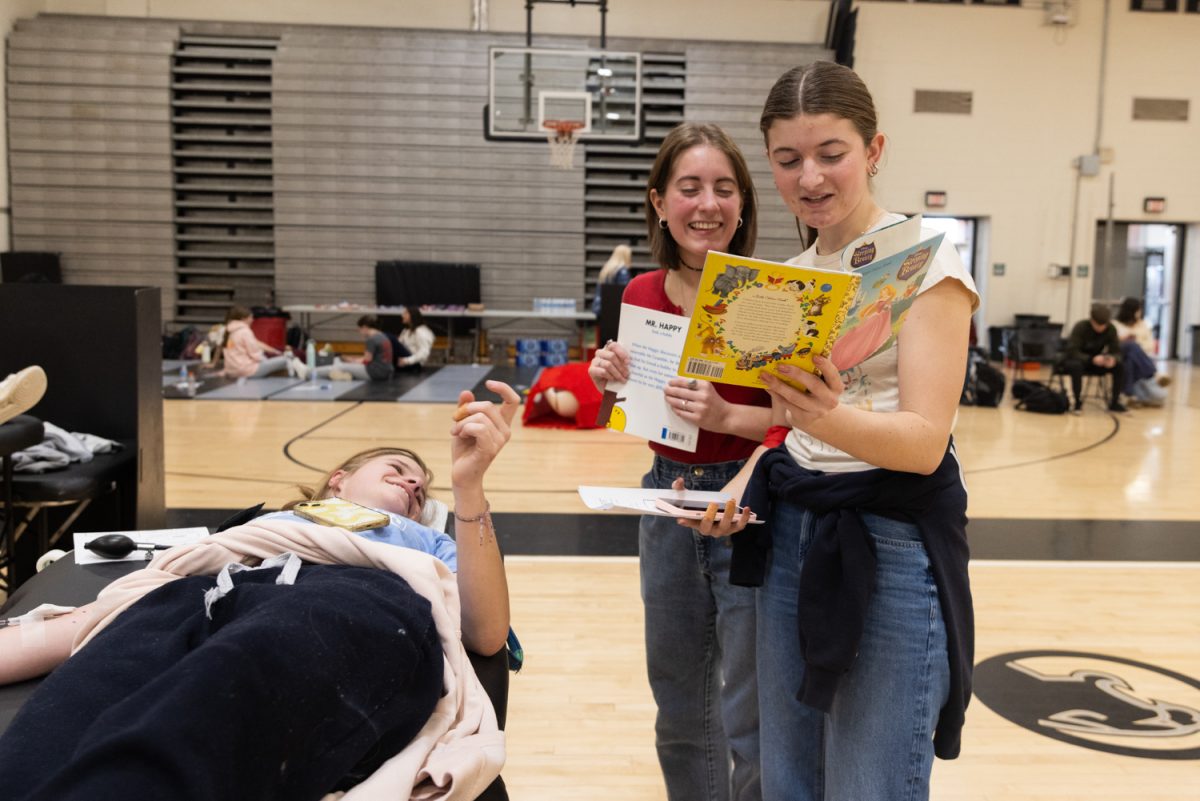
{"x": 283, "y": 658}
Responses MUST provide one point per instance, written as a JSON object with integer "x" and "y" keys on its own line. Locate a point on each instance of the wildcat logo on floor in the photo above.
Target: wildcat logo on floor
{"x": 1105, "y": 703}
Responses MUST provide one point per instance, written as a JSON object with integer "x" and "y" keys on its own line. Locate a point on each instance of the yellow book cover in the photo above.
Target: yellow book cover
{"x": 752, "y": 315}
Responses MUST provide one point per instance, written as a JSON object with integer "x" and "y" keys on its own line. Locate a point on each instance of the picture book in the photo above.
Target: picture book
{"x": 892, "y": 263}
{"x": 752, "y": 314}
{"x": 638, "y": 406}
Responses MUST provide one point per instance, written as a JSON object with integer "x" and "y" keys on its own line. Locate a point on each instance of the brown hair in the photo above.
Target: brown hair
{"x": 821, "y": 87}
{"x": 1101, "y": 314}
{"x": 323, "y": 490}
{"x": 368, "y": 321}
{"x": 237, "y": 313}
{"x": 682, "y": 138}
{"x": 1127, "y": 314}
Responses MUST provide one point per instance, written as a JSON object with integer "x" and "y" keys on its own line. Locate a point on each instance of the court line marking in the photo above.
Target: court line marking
{"x": 1111, "y": 565}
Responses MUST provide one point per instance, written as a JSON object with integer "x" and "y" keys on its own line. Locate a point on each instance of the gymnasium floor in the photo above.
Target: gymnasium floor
{"x": 1085, "y": 533}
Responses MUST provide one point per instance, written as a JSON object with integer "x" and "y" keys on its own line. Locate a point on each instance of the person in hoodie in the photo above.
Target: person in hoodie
{"x": 245, "y": 355}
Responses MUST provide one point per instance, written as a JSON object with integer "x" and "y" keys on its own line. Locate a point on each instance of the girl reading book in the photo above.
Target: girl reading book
{"x": 865, "y": 628}
{"x": 699, "y": 628}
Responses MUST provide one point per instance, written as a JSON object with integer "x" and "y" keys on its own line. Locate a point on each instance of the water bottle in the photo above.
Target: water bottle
{"x": 310, "y": 359}
{"x": 183, "y": 374}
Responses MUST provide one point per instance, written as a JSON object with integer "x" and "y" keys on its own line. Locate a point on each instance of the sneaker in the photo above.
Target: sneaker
{"x": 21, "y": 391}
{"x": 1117, "y": 407}
{"x": 1077, "y": 410}
{"x": 1163, "y": 380}
{"x": 300, "y": 367}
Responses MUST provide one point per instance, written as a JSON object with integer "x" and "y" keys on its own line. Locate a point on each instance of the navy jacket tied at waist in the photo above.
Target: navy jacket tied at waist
{"x": 837, "y": 578}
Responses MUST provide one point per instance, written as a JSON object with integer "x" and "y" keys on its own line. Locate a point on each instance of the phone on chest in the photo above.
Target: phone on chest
{"x": 341, "y": 513}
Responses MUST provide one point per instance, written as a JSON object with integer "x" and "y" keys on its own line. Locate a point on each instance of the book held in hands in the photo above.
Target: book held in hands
{"x": 753, "y": 315}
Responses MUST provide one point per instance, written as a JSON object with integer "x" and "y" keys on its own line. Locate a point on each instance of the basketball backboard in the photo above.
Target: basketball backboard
{"x": 527, "y": 87}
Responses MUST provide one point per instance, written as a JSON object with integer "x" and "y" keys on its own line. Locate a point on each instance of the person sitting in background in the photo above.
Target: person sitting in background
{"x": 614, "y": 271}
{"x": 1141, "y": 380}
{"x": 244, "y": 354}
{"x": 416, "y": 341}
{"x": 376, "y": 363}
{"x": 1094, "y": 349}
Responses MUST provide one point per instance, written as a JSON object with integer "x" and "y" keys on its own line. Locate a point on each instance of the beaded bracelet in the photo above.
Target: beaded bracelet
{"x": 484, "y": 517}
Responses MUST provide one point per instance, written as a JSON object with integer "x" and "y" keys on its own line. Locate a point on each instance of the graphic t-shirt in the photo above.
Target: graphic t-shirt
{"x": 873, "y": 385}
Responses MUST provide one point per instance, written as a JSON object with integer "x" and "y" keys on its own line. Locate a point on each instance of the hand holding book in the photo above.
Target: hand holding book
{"x": 753, "y": 315}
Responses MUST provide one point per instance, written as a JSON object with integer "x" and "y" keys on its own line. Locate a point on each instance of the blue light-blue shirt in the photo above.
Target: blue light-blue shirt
{"x": 401, "y": 531}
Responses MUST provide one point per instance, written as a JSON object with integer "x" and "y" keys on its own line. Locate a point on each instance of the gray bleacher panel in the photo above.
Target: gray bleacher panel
{"x": 378, "y": 154}
{"x": 444, "y": 385}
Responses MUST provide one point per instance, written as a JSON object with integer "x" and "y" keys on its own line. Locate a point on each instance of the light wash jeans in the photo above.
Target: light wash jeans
{"x": 269, "y": 365}
{"x": 877, "y": 742}
{"x": 699, "y": 651}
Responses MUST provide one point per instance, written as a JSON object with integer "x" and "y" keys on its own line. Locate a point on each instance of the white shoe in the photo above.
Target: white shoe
{"x": 21, "y": 391}
{"x": 300, "y": 367}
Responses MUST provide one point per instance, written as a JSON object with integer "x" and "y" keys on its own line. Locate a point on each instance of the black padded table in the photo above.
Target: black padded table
{"x": 17, "y": 434}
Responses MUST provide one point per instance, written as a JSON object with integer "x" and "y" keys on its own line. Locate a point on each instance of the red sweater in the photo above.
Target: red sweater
{"x": 648, "y": 290}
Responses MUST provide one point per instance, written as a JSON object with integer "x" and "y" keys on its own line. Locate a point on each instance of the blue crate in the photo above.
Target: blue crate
{"x": 528, "y": 346}
{"x": 552, "y": 359}
{"x": 528, "y": 359}
{"x": 554, "y": 346}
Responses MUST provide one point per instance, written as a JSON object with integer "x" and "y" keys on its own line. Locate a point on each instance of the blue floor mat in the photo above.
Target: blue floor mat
{"x": 444, "y": 385}
{"x": 250, "y": 389}
{"x": 319, "y": 390}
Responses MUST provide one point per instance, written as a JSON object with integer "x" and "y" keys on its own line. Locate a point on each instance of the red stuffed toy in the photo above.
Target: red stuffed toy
{"x": 563, "y": 397}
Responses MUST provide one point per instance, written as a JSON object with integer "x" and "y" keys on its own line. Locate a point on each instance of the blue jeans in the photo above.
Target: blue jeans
{"x": 877, "y": 742}
{"x": 699, "y": 651}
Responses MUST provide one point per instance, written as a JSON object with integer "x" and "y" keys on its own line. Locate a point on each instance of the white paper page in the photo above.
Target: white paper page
{"x": 654, "y": 340}
{"x": 165, "y": 536}
{"x": 634, "y": 500}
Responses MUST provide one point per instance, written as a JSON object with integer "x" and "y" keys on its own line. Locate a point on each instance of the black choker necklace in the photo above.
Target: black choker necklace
{"x": 690, "y": 267}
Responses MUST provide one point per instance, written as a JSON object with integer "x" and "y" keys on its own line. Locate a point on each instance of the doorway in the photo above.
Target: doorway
{"x": 1143, "y": 261}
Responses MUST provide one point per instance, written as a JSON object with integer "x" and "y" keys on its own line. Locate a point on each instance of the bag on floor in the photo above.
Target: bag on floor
{"x": 985, "y": 384}
{"x": 1042, "y": 399}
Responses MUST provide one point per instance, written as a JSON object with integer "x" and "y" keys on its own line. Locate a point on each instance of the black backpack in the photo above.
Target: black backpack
{"x": 1037, "y": 397}
{"x": 985, "y": 384}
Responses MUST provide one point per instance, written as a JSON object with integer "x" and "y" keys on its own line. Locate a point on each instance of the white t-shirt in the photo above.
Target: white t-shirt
{"x": 873, "y": 385}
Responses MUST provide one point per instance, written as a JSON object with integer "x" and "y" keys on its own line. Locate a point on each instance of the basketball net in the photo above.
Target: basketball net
{"x": 562, "y": 136}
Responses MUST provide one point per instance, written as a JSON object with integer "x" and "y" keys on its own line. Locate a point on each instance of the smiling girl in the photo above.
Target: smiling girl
{"x": 699, "y": 628}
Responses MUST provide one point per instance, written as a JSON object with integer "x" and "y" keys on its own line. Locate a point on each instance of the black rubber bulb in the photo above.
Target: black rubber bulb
{"x": 112, "y": 546}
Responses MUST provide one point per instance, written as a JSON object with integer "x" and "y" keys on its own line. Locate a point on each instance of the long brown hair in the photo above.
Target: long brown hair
{"x": 684, "y": 137}
{"x": 323, "y": 490}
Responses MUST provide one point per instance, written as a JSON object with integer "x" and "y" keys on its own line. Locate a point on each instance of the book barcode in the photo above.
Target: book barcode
{"x": 705, "y": 368}
{"x": 675, "y": 436}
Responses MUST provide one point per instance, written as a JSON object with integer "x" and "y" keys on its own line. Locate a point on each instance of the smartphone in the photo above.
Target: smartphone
{"x": 694, "y": 510}
{"x": 341, "y": 513}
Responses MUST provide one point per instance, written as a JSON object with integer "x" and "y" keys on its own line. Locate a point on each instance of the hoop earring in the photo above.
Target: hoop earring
{"x": 662, "y": 223}
{"x": 740, "y": 221}
{"x": 872, "y": 170}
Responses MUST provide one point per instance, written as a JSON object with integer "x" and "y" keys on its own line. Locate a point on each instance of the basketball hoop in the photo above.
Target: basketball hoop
{"x": 562, "y": 136}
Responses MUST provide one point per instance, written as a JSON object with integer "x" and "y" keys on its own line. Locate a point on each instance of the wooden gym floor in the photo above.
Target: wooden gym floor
{"x": 1089, "y": 527}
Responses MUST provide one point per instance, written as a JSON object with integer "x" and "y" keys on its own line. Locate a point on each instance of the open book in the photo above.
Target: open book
{"x": 752, "y": 315}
